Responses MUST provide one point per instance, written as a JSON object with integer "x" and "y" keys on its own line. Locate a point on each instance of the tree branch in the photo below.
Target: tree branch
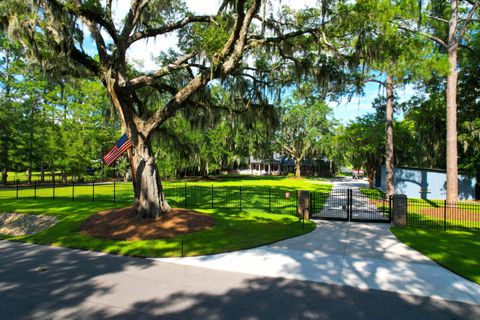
{"x": 99, "y": 41}
{"x": 426, "y": 35}
{"x": 228, "y": 47}
{"x": 438, "y": 19}
{"x": 168, "y": 27}
{"x": 375, "y": 81}
{"x": 83, "y": 59}
{"x": 108, "y": 9}
{"x": 240, "y": 43}
{"x": 84, "y": 11}
{"x": 136, "y": 8}
{"x": 149, "y": 79}
{"x": 466, "y": 22}
{"x": 257, "y": 40}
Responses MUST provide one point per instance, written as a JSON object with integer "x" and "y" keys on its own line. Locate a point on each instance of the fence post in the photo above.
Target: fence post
{"x": 350, "y": 204}
{"x": 73, "y": 189}
{"x": 212, "y": 196}
{"x": 53, "y": 190}
{"x": 185, "y": 195}
{"x": 35, "y": 189}
{"x": 445, "y": 215}
{"x": 269, "y": 199}
{"x": 114, "y": 189}
{"x": 240, "y": 198}
{"x": 303, "y": 218}
{"x": 93, "y": 189}
{"x": 390, "y": 198}
{"x": 17, "y": 188}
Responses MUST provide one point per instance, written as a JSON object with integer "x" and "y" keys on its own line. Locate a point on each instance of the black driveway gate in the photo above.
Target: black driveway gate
{"x": 349, "y": 205}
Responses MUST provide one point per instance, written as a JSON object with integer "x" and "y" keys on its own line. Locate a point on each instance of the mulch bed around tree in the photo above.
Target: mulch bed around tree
{"x": 121, "y": 224}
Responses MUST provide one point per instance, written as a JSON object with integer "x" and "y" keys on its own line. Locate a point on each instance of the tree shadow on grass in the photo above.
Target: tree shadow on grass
{"x": 54, "y": 283}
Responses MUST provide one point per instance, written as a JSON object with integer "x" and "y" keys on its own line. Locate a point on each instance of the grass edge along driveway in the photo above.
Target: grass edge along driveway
{"x": 458, "y": 251}
{"x": 234, "y": 230}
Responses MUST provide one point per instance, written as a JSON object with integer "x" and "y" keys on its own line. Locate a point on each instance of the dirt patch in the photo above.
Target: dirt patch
{"x": 379, "y": 202}
{"x": 452, "y": 214}
{"x": 121, "y": 224}
{"x": 16, "y": 224}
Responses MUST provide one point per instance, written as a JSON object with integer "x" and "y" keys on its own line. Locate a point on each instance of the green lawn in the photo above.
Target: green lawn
{"x": 463, "y": 215}
{"x": 458, "y": 251}
{"x": 373, "y": 193}
{"x": 431, "y": 214}
{"x": 235, "y": 229}
{"x": 23, "y": 176}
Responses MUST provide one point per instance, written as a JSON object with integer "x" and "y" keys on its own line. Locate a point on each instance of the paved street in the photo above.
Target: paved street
{"x": 39, "y": 282}
{"x": 339, "y": 271}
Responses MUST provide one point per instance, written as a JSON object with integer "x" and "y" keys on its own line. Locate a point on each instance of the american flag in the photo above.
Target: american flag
{"x": 120, "y": 147}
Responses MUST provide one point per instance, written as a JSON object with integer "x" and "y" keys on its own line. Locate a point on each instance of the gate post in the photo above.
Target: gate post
{"x": 303, "y": 203}
{"x": 399, "y": 210}
{"x": 349, "y": 204}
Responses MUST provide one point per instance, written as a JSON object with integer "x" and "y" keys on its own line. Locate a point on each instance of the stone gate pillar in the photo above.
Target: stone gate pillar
{"x": 303, "y": 203}
{"x": 399, "y": 210}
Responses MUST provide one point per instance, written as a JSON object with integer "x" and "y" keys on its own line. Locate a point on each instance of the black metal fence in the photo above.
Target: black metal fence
{"x": 58, "y": 179}
{"x": 442, "y": 215}
{"x": 350, "y": 205}
{"x": 188, "y": 196}
{"x": 267, "y": 199}
{"x": 330, "y": 206}
{"x": 75, "y": 191}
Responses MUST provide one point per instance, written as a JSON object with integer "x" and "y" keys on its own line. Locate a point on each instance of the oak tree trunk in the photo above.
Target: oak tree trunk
{"x": 297, "y": 169}
{"x": 42, "y": 172}
{"x": 370, "y": 175}
{"x": 4, "y": 176}
{"x": 5, "y": 160}
{"x": 150, "y": 201}
{"x": 389, "y": 167}
{"x": 29, "y": 173}
{"x": 452, "y": 153}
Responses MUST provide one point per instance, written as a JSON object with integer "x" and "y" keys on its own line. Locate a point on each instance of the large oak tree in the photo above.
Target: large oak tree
{"x": 213, "y": 47}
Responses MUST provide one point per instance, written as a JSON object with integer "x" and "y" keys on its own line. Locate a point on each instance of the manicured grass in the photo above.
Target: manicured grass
{"x": 373, "y": 193}
{"x": 23, "y": 176}
{"x": 432, "y": 214}
{"x": 235, "y": 229}
{"x": 458, "y": 251}
{"x": 426, "y": 213}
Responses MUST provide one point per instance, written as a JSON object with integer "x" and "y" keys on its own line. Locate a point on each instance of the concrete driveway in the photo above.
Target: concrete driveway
{"x": 365, "y": 256}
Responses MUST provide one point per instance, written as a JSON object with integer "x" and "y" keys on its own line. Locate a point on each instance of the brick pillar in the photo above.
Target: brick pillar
{"x": 399, "y": 210}
{"x": 303, "y": 203}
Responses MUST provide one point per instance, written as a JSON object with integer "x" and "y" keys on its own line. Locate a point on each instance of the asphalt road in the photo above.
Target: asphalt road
{"x": 40, "y": 282}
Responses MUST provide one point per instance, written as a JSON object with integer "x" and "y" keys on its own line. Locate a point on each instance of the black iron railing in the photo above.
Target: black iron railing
{"x": 443, "y": 215}
{"x": 190, "y": 196}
